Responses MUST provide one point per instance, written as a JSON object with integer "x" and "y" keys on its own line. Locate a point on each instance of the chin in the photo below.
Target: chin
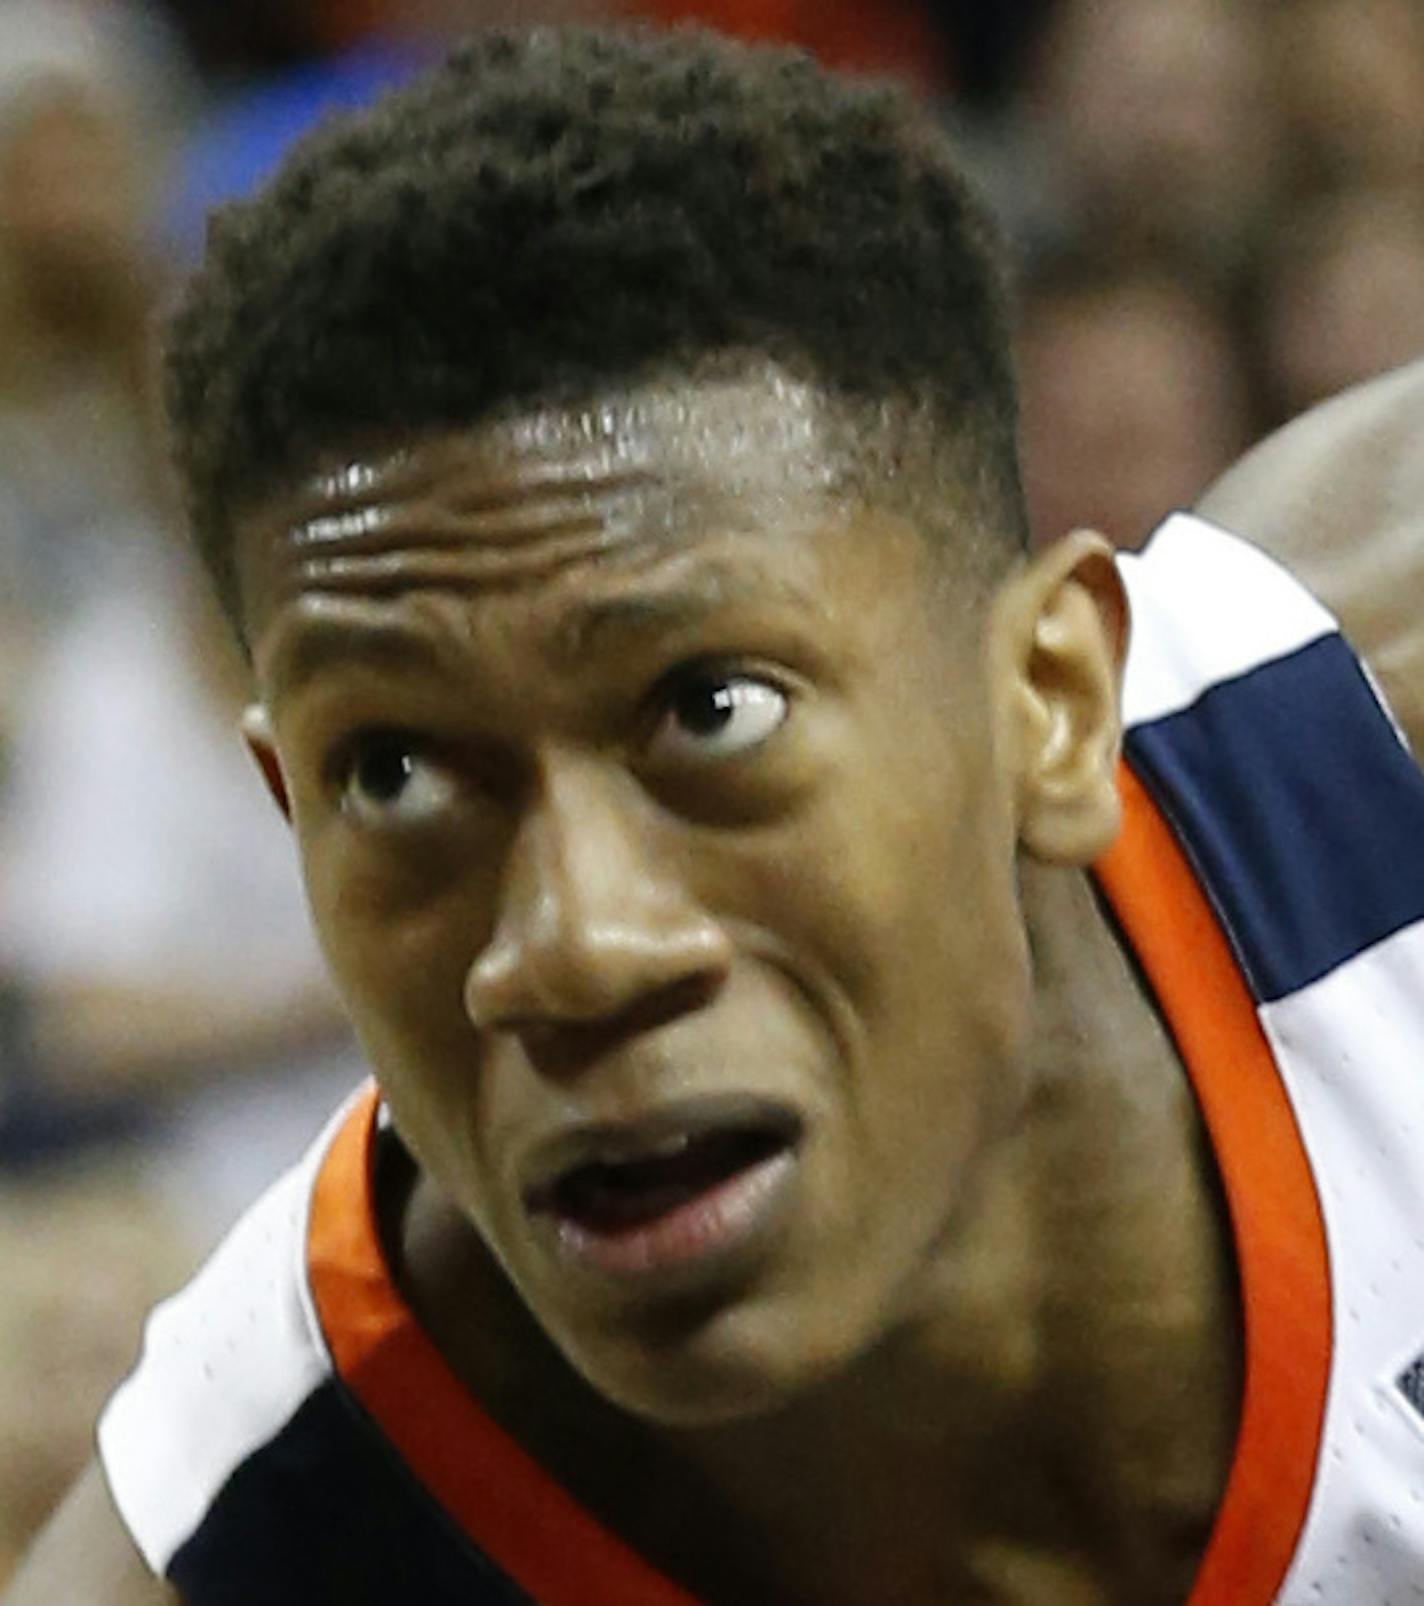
{"x": 675, "y": 1400}
{"x": 733, "y": 1365}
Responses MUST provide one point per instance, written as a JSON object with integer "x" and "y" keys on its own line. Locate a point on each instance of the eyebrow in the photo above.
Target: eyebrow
{"x": 586, "y": 626}
{"x": 307, "y": 650}
{"x": 315, "y": 645}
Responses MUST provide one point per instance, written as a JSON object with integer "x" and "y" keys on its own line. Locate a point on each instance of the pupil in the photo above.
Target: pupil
{"x": 705, "y": 708}
{"x": 384, "y": 770}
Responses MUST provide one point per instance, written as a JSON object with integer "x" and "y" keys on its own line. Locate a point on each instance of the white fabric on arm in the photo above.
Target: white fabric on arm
{"x": 226, "y": 1363}
{"x": 1190, "y": 571}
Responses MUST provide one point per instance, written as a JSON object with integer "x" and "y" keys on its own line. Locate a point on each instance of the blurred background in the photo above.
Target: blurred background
{"x": 1217, "y": 218}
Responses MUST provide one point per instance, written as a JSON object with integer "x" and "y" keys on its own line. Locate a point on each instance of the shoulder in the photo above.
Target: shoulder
{"x": 226, "y": 1364}
{"x": 1354, "y": 458}
{"x": 243, "y": 1456}
{"x": 1338, "y": 497}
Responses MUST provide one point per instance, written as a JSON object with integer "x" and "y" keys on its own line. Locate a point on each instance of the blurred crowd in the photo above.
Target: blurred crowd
{"x": 1216, "y": 213}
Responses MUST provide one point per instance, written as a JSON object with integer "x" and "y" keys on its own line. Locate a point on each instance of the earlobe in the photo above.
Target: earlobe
{"x": 257, "y": 733}
{"x": 1071, "y": 640}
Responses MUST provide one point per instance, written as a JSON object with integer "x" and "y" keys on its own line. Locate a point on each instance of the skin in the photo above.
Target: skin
{"x": 569, "y": 911}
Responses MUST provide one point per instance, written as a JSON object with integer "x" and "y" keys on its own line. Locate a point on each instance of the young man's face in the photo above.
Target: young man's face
{"x": 656, "y": 826}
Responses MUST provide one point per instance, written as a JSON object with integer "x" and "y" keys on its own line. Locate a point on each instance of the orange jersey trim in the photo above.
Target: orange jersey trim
{"x": 516, "y": 1514}
{"x": 1270, "y": 1192}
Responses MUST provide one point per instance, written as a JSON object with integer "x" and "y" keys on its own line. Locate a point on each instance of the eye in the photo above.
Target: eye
{"x": 711, "y": 714}
{"x": 388, "y": 778}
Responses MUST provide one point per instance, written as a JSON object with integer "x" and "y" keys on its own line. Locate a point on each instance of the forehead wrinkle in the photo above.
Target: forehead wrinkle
{"x": 408, "y": 556}
{"x": 467, "y": 568}
{"x": 480, "y": 468}
{"x": 560, "y": 464}
{"x": 462, "y": 508}
{"x": 654, "y": 464}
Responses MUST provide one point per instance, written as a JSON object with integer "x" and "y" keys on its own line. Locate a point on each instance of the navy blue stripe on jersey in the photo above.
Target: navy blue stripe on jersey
{"x": 325, "y": 1512}
{"x": 1299, "y": 808}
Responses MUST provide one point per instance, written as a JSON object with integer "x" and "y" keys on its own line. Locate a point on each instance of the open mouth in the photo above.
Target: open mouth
{"x": 604, "y": 1197}
{"x": 640, "y": 1201}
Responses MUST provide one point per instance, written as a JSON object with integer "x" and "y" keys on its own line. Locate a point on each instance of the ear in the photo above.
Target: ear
{"x": 1061, "y": 638}
{"x": 257, "y": 733}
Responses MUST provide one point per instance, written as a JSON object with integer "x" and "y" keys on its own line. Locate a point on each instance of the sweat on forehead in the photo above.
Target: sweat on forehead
{"x": 658, "y": 463}
{"x": 737, "y": 432}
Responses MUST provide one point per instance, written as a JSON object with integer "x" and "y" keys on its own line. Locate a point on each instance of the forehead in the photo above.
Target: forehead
{"x": 553, "y": 496}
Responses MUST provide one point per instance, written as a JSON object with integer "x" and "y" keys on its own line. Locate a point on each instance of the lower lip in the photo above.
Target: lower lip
{"x": 709, "y": 1225}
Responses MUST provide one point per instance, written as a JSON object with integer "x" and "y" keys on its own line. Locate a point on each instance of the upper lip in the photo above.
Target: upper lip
{"x": 645, "y": 1136}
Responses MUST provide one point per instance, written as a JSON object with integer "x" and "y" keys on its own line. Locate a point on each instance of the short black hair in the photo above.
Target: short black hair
{"x": 553, "y": 211}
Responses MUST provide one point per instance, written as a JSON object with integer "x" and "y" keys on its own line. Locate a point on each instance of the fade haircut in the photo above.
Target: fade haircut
{"x": 552, "y": 212}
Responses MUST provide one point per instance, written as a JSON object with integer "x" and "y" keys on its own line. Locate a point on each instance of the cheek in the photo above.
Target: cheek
{"x": 399, "y": 963}
{"x": 399, "y": 923}
{"x": 900, "y": 885}
{"x": 949, "y": 1008}
{"x": 397, "y": 977}
{"x": 903, "y": 863}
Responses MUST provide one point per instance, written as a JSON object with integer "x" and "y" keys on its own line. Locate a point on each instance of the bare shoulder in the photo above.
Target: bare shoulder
{"x": 1338, "y": 497}
{"x": 86, "y": 1558}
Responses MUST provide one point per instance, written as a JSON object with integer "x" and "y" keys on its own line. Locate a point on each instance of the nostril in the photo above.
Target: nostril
{"x": 684, "y": 996}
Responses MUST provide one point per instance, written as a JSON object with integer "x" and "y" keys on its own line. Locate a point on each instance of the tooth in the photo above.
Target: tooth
{"x": 666, "y": 1149}
{"x": 673, "y": 1145}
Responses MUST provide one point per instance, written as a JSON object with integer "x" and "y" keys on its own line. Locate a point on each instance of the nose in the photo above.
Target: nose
{"x": 592, "y": 930}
